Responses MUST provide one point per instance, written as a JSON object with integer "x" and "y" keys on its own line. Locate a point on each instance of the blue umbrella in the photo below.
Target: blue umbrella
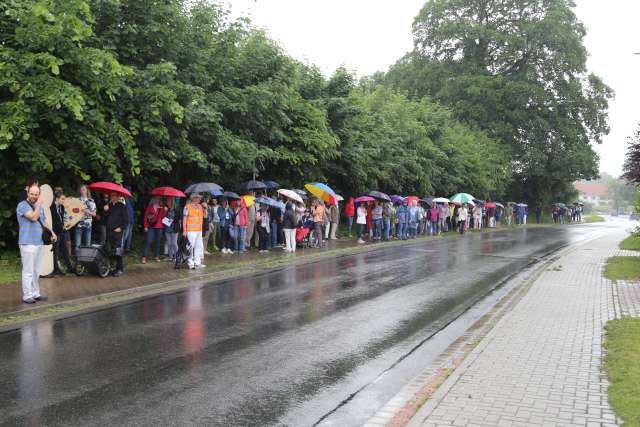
{"x": 271, "y": 185}
{"x": 270, "y": 202}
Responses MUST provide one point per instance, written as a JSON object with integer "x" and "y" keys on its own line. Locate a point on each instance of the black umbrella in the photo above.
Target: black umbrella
{"x": 204, "y": 187}
{"x": 302, "y": 194}
{"x": 271, "y": 185}
{"x": 230, "y": 195}
{"x": 252, "y": 185}
{"x": 379, "y": 195}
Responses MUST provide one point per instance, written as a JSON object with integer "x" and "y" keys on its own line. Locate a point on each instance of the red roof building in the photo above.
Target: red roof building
{"x": 593, "y": 192}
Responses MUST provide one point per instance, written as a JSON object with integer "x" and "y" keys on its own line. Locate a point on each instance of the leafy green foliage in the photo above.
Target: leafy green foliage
{"x": 516, "y": 69}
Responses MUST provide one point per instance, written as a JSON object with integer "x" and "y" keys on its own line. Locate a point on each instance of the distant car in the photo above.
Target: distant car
{"x": 634, "y": 217}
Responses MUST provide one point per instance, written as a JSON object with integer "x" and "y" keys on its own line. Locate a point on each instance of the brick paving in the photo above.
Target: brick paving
{"x": 627, "y": 294}
{"x": 541, "y": 364}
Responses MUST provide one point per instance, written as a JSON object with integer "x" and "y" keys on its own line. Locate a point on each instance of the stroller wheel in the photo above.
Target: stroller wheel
{"x": 104, "y": 268}
{"x": 79, "y": 269}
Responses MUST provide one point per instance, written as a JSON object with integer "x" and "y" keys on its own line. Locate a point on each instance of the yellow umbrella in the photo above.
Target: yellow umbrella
{"x": 248, "y": 200}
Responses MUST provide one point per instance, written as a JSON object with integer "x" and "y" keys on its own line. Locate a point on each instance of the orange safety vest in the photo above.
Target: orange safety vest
{"x": 194, "y": 219}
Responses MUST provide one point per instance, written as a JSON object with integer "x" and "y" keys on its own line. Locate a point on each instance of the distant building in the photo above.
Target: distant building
{"x": 594, "y": 193}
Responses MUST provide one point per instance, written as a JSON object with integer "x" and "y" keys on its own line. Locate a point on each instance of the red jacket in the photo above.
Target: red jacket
{"x": 159, "y": 214}
{"x": 243, "y": 215}
{"x": 350, "y": 208}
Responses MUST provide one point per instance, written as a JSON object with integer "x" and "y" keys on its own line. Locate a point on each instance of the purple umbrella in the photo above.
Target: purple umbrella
{"x": 396, "y": 199}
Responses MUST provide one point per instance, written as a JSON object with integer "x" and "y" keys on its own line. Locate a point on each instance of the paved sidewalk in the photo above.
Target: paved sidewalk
{"x": 541, "y": 364}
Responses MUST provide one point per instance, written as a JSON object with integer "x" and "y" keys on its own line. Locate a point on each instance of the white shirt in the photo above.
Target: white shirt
{"x": 361, "y": 215}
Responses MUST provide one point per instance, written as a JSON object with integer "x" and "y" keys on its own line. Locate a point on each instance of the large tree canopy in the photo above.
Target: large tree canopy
{"x": 631, "y": 168}
{"x": 517, "y": 69}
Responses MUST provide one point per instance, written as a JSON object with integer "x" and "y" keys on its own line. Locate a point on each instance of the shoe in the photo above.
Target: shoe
{"x": 200, "y": 266}
{"x": 117, "y": 273}
{"x": 360, "y": 241}
{"x": 229, "y": 251}
{"x": 29, "y": 301}
{"x": 207, "y": 253}
{"x": 192, "y": 267}
{"x": 143, "y": 260}
{"x": 40, "y": 298}
{"x": 157, "y": 259}
{"x": 48, "y": 276}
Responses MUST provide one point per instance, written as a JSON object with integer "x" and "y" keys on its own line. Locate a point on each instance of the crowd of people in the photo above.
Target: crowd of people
{"x": 235, "y": 224}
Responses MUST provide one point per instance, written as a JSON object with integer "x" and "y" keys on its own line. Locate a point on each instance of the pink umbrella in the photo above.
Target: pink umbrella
{"x": 167, "y": 192}
{"x": 363, "y": 199}
{"x": 109, "y": 187}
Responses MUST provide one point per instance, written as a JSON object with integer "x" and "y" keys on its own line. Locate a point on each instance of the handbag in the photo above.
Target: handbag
{"x": 47, "y": 235}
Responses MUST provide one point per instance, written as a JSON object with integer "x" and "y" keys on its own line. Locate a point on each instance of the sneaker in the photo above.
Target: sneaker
{"x": 361, "y": 241}
{"x": 207, "y": 253}
{"x": 157, "y": 259}
{"x": 229, "y": 251}
{"x": 40, "y": 298}
{"x": 200, "y": 266}
{"x": 118, "y": 273}
{"x": 143, "y": 260}
{"x": 192, "y": 267}
{"x": 29, "y": 301}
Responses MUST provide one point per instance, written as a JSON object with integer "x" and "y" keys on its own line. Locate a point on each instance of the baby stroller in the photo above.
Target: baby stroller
{"x": 94, "y": 259}
{"x": 303, "y": 235}
{"x": 183, "y": 254}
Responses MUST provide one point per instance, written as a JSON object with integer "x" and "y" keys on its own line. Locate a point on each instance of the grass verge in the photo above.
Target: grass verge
{"x": 631, "y": 243}
{"x": 593, "y": 218}
{"x": 622, "y": 268}
{"x": 621, "y": 364}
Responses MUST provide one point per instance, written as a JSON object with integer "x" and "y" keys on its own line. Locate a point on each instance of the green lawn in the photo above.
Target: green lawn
{"x": 10, "y": 267}
{"x": 622, "y": 268}
{"x": 631, "y": 243}
{"x": 623, "y": 368}
{"x": 593, "y": 218}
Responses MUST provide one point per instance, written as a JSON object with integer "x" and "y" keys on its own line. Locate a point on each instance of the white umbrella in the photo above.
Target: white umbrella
{"x": 441, "y": 200}
{"x": 291, "y": 195}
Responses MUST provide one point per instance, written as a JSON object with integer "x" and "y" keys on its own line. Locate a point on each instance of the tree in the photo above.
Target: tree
{"x": 516, "y": 69}
{"x": 631, "y": 168}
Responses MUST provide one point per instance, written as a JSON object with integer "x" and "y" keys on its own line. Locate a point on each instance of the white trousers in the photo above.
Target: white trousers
{"x": 31, "y": 256}
{"x": 334, "y": 230}
{"x": 197, "y": 250}
{"x": 290, "y": 239}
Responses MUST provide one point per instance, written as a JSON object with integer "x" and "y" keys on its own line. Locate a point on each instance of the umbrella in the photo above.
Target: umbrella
{"x": 412, "y": 198}
{"x": 379, "y": 195}
{"x": 523, "y": 205}
{"x": 396, "y": 199}
{"x": 263, "y": 200}
{"x": 427, "y": 201}
{"x": 441, "y": 200}
{"x": 252, "y": 186}
{"x": 271, "y": 185}
{"x": 500, "y": 205}
{"x": 462, "y": 198}
{"x": 322, "y": 191}
{"x": 339, "y": 198}
{"x": 290, "y": 194}
{"x": 230, "y": 195}
{"x": 364, "y": 199}
{"x": 109, "y": 187}
{"x": 167, "y": 192}
{"x": 248, "y": 200}
{"x": 204, "y": 187}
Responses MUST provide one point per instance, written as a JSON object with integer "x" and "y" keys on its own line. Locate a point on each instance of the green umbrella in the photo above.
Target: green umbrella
{"x": 461, "y": 198}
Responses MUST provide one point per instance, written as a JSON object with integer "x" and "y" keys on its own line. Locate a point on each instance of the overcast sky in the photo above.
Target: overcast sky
{"x": 369, "y": 35}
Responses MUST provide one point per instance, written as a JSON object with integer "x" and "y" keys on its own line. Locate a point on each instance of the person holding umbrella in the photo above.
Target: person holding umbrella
{"x": 171, "y": 224}
{"x": 225, "y": 214}
{"x": 116, "y": 220}
{"x": 289, "y": 224}
{"x": 462, "y": 218}
{"x": 318, "y": 220}
{"x": 192, "y": 224}
{"x": 349, "y": 213}
{"x": 334, "y": 219}
{"x": 241, "y": 221}
{"x": 153, "y": 226}
{"x": 264, "y": 224}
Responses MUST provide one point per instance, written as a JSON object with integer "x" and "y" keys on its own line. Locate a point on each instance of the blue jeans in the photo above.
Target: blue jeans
{"x": 349, "y": 224}
{"x": 274, "y": 234}
{"x": 377, "y": 228}
{"x": 153, "y": 235}
{"x": 241, "y": 236}
{"x": 402, "y": 230}
{"x": 413, "y": 230}
{"x": 387, "y": 229}
{"x": 433, "y": 227}
{"x": 360, "y": 228}
{"x": 128, "y": 237}
{"x": 83, "y": 236}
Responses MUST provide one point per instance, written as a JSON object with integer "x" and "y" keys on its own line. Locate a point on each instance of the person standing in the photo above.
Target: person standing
{"x": 153, "y": 226}
{"x": 361, "y": 221}
{"x": 225, "y": 214}
{"x": 477, "y": 217}
{"x": 83, "y": 227}
{"x": 349, "y": 213}
{"x": 116, "y": 219}
{"x": 31, "y": 223}
{"x": 60, "y": 249}
{"x": 192, "y": 225}
{"x": 318, "y": 220}
{"x": 241, "y": 221}
{"x": 387, "y": 216}
{"x": 538, "y": 214}
{"x": 413, "y": 219}
{"x": 508, "y": 214}
{"x": 128, "y": 232}
{"x": 171, "y": 224}
{"x": 434, "y": 220}
{"x": 213, "y": 229}
{"x": 264, "y": 223}
{"x": 334, "y": 219}
{"x": 462, "y": 218}
{"x": 376, "y": 217}
{"x": 289, "y": 223}
{"x": 251, "y": 224}
{"x": 402, "y": 216}
{"x": 275, "y": 214}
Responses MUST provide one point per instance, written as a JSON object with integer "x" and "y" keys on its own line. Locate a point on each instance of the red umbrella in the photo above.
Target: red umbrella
{"x": 490, "y": 205}
{"x": 167, "y": 192}
{"x": 409, "y": 199}
{"x": 109, "y": 187}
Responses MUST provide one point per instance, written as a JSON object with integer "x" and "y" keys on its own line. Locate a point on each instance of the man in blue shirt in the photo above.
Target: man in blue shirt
{"x": 31, "y": 219}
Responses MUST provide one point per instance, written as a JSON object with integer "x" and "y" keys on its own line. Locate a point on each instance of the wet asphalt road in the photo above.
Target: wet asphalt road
{"x": 287, "y": 347}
